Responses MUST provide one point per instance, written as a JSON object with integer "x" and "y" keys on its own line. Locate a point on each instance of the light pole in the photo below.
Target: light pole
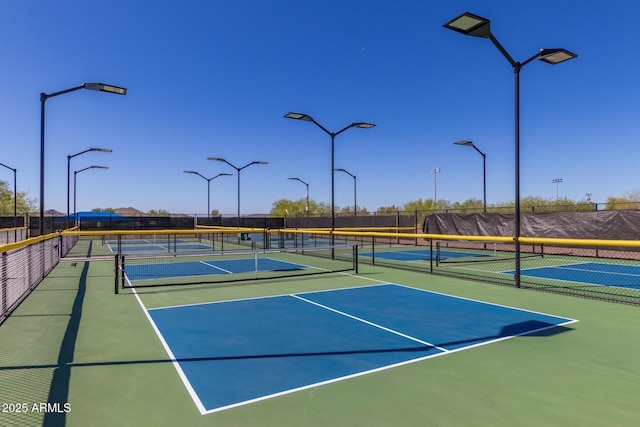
{"x": 435, "y": 173}
{"x": 298, "y": 179}
{"x": 15, "y": 200}
{"x": 355, "y": 204}
{"x": 308, "y": 118}
{"x": 102, "y": 150}
{"x": 101, "y": 87}
{"x": 208, "y": 187}
{"x": 218, "y": 159}
{"x": 484, "y": 171}
{"x": 474, "y": 25}
{"x": 557, "y": 182}
{"x": 75, "y": 173}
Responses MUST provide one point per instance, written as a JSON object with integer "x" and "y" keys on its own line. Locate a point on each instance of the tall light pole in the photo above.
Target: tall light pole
{"x": 557, "y": 182}
{"x": 435, "y": 173}
{"x": 208, "y": 187}
{"x": 69, "y": 157}
{"x": 474, "y": 25}
{"x": 75, "y": 173}
{"x": 355, "y": 204}
{"x": 308, "y": 118}
{"x": 15, "y": 200}
{"x": 298, "y": 179}
{"x": 238, "y": 169}
{"x": 484, "y": 171}
{"x": 101, "y": 87}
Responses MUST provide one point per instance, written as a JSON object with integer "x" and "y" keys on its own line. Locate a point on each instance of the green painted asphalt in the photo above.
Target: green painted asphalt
{"x": 74, "y": 343}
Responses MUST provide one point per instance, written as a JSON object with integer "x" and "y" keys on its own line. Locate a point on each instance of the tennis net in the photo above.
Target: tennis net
{"x": 461, "y": 251}
{"x": 231, "y": 266}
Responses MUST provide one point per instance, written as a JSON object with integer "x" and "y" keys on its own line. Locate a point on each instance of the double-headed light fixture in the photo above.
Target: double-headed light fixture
{"x": 208, "y": 187}
{"x": 477, "y": 26}
{"x": 238, "y": 169}
{"x": 308, "y": 118}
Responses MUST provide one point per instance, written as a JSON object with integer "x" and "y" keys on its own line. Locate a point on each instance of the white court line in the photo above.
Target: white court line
{"x": 359, "y": 319}
{"x": 173, "y": 359}
{"x": 216, "y": 267}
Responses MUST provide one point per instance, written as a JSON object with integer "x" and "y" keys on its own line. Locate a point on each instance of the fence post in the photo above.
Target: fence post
{"x": 4, "y": 283}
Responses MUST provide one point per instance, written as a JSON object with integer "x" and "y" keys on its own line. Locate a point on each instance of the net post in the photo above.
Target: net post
{"x": 437, "y": 254}
{"x": 115, "y": 269}
{"x": 373, "y": 250}
{"x": 256, "y": 263}
{"x": 430, "y": 255}
{"x": 355, "y": 259}
{"x": 122, "y": 273}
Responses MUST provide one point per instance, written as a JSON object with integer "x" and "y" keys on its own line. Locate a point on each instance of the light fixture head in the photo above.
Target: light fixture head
{"x": 555, "y": 56}
{"x": 364, "y": 125}
{"x": 470, "y": 25}
{"x": 299, "y": 116}
{"x": 101, "y": 87}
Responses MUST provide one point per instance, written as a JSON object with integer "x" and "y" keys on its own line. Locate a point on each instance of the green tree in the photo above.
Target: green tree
{"x": 215, "y": 212}
{"x": 299, "y": 208}
{"x": 625, "y": 202}
{"x": 111, "y": 210}
{"x": 22, "y": 202}
{"x": 468, "y": 206}
{"x": 425, "y": 205}
{"x": 159, "y": 212}
{"x": 348, "y": 210}
{"x": 387, "y": 210}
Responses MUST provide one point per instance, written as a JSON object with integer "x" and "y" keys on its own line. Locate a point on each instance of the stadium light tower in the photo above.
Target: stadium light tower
{"x": 100, "y": 87}
{"x": 298, "y": 179}
{"x": 557, "y": 182}
{"x": 15, "y": 200}
{"x": 238, "y": 169}
{"x": 355, "y": 204}
{"x": 477, "y": 26}
{"x": 75, "y": 173}
{"x": 208, "y": 187}
{"x": 69, "y": 157}
{"x": 435, "y": 172}
{"x": 484, "y": 171}
{"x": 308, "y": 118}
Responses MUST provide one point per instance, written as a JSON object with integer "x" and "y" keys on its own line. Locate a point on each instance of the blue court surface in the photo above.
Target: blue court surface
{"x": 418, "y": 255}
{"x": 136, "y": 272}
{"x": 592, "y": 273}
{"x": 236, "y": 352}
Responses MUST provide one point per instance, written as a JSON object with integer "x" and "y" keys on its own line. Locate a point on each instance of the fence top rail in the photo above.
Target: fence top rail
{"x": 199, "y": 230}
{"x": 23, "y": 243}
{"x": 581, "y": 242}
{"x": 502, "y": 239}
{"x": 2, "y": 230}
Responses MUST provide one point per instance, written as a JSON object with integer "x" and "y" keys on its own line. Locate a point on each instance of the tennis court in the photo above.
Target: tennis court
{"x": 322, "y": 337}
{"x": 589, "y": 273}
{"x": 412, "y": 255}
{"x": 206, "y": 267}
{"x": 153, "y": 245}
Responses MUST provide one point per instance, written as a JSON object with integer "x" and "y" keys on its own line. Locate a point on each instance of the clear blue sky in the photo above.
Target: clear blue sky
{"x": 214, "y": 78}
